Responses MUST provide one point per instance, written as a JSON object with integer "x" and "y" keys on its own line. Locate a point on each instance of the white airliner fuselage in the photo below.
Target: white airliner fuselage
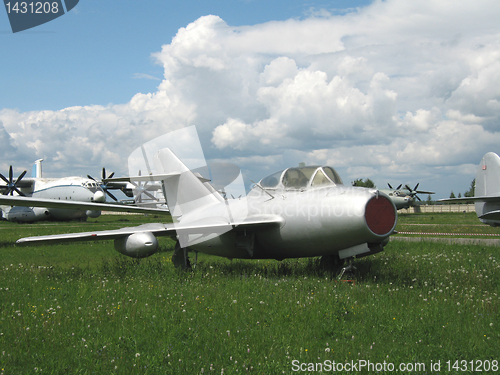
{"x": 67, "y": 188}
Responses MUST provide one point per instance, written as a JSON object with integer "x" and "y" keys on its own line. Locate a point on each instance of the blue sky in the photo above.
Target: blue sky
{"x": 98, "y": 52}
{"x": 398, "y": 91}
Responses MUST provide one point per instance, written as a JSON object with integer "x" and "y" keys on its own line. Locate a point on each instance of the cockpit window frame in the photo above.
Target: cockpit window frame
{"x": 270, "y": 185}
{"x": 296, "y": 183}
{"x": 336, "y": 177}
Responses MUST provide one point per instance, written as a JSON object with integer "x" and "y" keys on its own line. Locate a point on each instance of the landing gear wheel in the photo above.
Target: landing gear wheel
{"x": 331, "y": 263}
{"x": 180, "y": 258}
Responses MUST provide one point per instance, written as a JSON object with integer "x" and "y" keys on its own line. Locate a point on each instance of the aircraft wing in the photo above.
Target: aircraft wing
{"x": 486, "y": 198}
{"x": 158, "y": 229}
{"x": 424, "y": 192}
{"x": 146, "y": 178}
{"x": 74, "y": 205}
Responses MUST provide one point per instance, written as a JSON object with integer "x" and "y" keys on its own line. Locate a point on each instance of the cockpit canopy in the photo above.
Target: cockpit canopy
{"x": 301, "y": 178}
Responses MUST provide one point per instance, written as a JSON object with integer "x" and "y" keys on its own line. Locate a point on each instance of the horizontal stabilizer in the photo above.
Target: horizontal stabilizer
{"x": 483, "y": 198}
{"x": 491, "y": 215}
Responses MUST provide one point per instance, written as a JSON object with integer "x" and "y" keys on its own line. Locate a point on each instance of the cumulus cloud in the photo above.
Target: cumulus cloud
{"x": 397, "y": 89}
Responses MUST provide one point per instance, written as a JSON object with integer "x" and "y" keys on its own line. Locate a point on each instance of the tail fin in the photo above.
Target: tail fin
{"x": 36, "y": 172}
{"x": 183, "y": 191}
{"x": 488, "y": 176}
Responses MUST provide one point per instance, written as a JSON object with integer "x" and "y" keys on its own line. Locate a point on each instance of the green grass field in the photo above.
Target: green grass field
{"x": 465, "y": 225}
{"x": 85, "y": 309}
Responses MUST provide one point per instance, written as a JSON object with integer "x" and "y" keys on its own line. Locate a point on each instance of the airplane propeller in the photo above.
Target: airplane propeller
{"x": 413, "y": 193}
{"x": 141, "y": 188}
{"x": 390, "y": 187}
{"x": 11, "y": 184}
{"x": 104, "y": 185}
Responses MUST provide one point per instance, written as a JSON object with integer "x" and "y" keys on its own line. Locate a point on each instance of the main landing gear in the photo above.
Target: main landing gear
{"x": 180, "y": 257}
{"x": 332, "y": 263}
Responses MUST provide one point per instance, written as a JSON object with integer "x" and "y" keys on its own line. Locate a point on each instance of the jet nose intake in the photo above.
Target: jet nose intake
{"x": 380, "y": 215}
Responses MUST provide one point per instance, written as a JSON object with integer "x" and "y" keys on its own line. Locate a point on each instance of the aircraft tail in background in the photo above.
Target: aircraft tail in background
{"x": 487, "y": 190}
{"x": 36, "y": 172}
{"x": 488, "y": 176}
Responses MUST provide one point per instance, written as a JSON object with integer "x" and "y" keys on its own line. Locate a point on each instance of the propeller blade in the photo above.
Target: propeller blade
{"x": 390, "y": 187}
{"x": 3, "y": 178}
{"x": 92, "y": 178}
{"x": 111, "y": 175}
{"x": 416, "y": 186}
{"x": 10, "y": 174}
{"x": 17, "y": 191}
{"x": 399, "y": 187}
{"x": 111, "y": 195}
{"x": 20, "y": 177}
{"x": 150, "y": 195}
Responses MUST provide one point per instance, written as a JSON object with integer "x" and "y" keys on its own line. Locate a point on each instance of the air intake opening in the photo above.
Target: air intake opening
{"x": 380, "y": 215}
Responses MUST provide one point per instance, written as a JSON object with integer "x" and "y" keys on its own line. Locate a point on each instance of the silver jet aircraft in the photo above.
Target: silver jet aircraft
{"x": 487, "y": 190}
{"x": 298, "y": 212}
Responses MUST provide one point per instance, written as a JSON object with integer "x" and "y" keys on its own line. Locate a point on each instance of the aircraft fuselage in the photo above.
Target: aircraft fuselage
{"x": 69, "y": 188}
{"x": 316, "y": 222}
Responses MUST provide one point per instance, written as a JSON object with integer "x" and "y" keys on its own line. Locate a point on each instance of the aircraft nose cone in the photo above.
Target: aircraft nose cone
{"x": 380, "y": 215}
{"x": 99, "y": 197}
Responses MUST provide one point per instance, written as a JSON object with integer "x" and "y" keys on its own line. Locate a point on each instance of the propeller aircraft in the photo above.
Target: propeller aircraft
{"x": 297, "y": 212}
{"x": 404, "y": 198}
{"x": 67, "y": 188}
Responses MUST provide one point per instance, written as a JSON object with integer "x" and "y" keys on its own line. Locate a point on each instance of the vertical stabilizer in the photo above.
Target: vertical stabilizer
{"x": 36, "y": 172}
{"x": 488, "y": 176}
{"x": 488, "y": 185}
{"x": 183, "y": 190}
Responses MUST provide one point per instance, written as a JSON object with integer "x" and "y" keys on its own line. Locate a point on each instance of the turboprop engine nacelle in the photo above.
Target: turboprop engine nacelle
{"x": 26, "y": 214}
{"x": 93, "y": 214}
{"x": 137, "y": 245}
{"x": 99, "y": 197}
